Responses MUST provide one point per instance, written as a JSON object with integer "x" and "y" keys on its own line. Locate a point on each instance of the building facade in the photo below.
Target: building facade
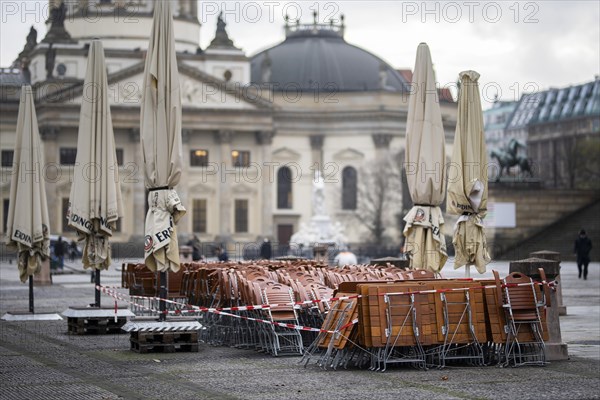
{"x": 564, "y": 137}
{"x": 495, "y": 120}
{"x": 254, "y": 128}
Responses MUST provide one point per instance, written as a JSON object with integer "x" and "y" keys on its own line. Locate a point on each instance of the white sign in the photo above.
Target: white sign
{"x": 501, "y": 215}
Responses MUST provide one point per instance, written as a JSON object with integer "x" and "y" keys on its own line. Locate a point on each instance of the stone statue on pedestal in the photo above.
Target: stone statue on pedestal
{"x": 50, "y": 61}
{"x": 318, "y": 197}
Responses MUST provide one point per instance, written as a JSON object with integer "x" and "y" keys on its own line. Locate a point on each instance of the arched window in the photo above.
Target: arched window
{"x": 349, "y": 188}
{"x": 284, "y": 188}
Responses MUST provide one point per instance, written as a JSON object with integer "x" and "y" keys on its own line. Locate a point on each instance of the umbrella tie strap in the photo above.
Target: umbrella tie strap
{"x": 159, "y": 188}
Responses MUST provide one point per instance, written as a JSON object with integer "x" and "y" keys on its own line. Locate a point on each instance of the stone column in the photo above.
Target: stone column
{"x": 316, "y": 145}
{"x": 554, "y": 256}
{"x": 268, "y": 179}
{"x": 52, "y": 175}
{"x": 224, "y": 139}
{"x": 555, "y": 348}
{"x": 382, "y": 144}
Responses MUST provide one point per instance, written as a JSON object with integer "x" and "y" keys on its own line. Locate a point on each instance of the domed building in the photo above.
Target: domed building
{"x": 315, "y": 57}
{"x": 255, "y": 129}
{"x": 341, "y": 109}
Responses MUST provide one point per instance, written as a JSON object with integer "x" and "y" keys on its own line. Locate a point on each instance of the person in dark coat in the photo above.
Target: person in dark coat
{"x": 222, "y": 254}
{"x": 583, "y": 246}
{"x": 196, "y": 248}
{"x": 59, "y": 252}
{"x": 72, "y": 250}
{"x": 266, "y": 250}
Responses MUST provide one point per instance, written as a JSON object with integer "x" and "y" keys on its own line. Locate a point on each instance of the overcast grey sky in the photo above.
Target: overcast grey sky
{"x": 515, "y": 46}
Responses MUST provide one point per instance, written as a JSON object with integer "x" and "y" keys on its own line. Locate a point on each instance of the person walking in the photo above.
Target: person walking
{"x": 59, "y": 252}
{"x": 583, "y": 246}
{"x": 196, "y": 248}
{"x": 222, "y": 254}
{"x": 265, "y": 249}
{"x": 72, "y": 250}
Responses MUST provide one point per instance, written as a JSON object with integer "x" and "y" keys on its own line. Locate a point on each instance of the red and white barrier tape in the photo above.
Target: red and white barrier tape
{"x": 195, "y": 308}
{"x": 223, "y": 311}
{"x": 267, "y": 306}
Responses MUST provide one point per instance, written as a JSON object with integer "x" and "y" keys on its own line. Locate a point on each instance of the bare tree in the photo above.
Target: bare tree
{"x": 578, "y": 165}
{"x": 378, "y": 192}
{"x": 588, "y": 165}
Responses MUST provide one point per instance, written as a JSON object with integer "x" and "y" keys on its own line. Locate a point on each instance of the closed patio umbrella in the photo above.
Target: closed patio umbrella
{"x": 425, "y": 168}
{"x": 467, "y": 178}
{"x": 95, "y": 202}
{"x": 160, "y": 135}
{"x": 27, "y": 222}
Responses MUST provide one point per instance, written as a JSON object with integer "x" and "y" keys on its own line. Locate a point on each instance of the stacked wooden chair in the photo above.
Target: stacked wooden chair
{"x": 282, "y": 340}
{"x": 524, "y": 310}
{"x": 424, "y": 322}
{"x": 392, "y": 317}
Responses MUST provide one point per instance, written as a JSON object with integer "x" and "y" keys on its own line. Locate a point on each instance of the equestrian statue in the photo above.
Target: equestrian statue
{"x": 509, "y": 157}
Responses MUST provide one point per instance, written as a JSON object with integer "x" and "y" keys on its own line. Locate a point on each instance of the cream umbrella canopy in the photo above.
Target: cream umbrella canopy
{"x": 95, "y": 202}
{"x": 161, "y": 143}
{"x": 160, "y": 134}
{"x": 467, "y": 178}
{"x": 425, "y": 168}
{"x": 27, "y": 222}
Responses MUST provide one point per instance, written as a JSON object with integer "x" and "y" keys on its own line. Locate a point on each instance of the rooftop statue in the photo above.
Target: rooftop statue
{"x": 57, "y": 32}
{"x": 50, "y": 61}
{"x": 58, "y": 15}
{"x": 265, "y": 67}
{"x": 221, "y": 37}
{"x": 31, "y": 40}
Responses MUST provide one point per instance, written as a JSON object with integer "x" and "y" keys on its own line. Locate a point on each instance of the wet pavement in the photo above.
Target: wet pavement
{"x": 38, "y": 360}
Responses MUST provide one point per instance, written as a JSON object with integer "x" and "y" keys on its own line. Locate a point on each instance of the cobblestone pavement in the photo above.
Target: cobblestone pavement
{"x": 38, "y": 360}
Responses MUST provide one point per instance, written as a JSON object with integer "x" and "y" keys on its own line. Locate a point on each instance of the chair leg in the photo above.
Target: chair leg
{"x": 518, "y": 353}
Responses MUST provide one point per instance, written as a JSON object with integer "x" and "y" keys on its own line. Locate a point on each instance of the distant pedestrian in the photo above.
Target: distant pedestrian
{"x": 196, "y": 248}
{"x": 72, "y": 250}
{"x": 583, "y": 246}
{"x": 59, "y": 252}
{"x": 222, "y": 254}
{"x": 265, "y": 249}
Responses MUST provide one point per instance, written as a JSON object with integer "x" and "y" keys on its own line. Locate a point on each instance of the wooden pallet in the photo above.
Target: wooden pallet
{"x": 164, "y": 342}
{"x": 94, "y": 325}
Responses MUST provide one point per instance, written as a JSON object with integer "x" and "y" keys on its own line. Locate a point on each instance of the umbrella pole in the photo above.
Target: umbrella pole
{"x": 467, "y": 271}
{"x": 96, "y": 285}
{"x": 31, "y": 294}
{"x": 163, "y": 295}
